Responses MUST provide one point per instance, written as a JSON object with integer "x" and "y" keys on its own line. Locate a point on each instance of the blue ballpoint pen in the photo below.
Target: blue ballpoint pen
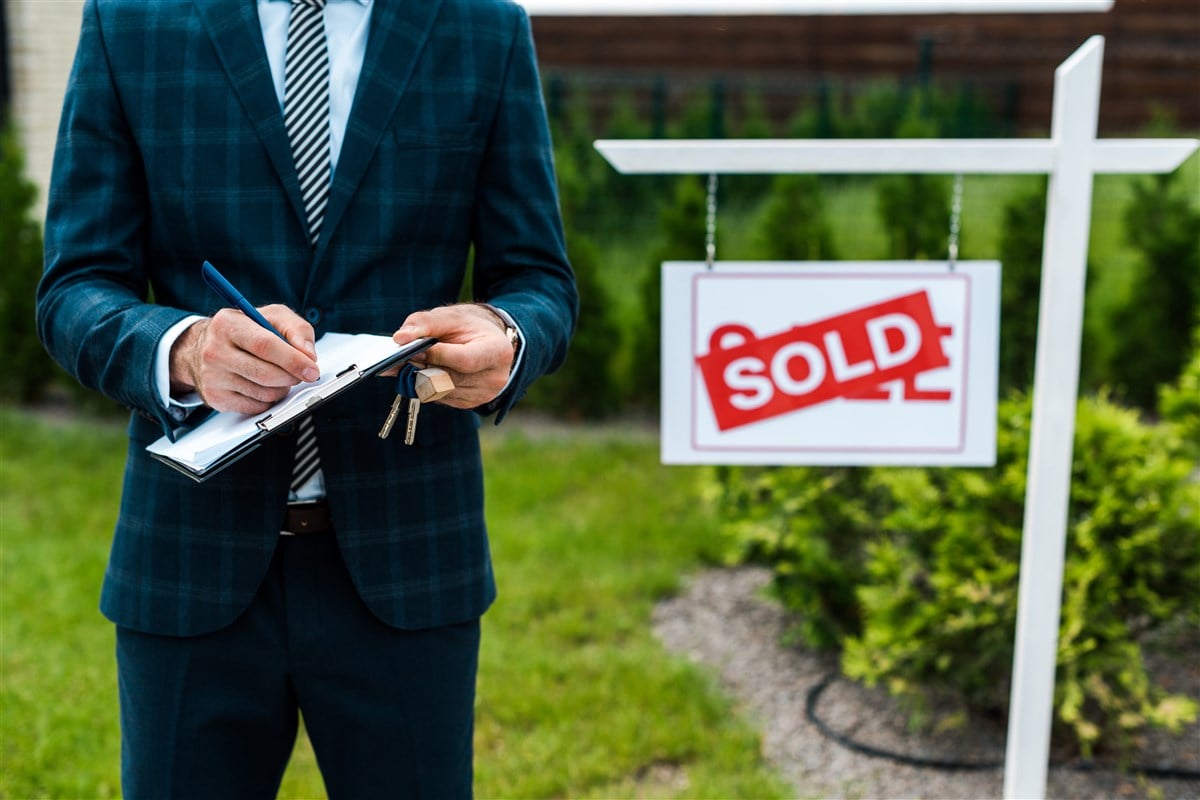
{"x": 231, "y": 295}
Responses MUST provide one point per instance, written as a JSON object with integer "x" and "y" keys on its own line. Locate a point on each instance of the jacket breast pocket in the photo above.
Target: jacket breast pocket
{"x": 457, "y": 136}
{"x": 423, "y": 182}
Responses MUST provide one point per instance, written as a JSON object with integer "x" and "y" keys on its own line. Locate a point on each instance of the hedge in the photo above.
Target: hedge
{"x": 913, "y": 572}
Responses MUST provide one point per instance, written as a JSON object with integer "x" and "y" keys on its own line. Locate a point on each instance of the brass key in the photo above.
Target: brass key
{"x": 393, "y": 415}
{"x": 410, "y": 424}
{"x": 428, "y": 385}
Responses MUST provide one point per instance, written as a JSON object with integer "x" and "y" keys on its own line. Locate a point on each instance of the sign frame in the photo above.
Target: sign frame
{"x": 779, "y": 295}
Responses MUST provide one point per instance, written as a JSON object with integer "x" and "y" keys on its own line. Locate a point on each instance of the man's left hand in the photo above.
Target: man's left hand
{"x": 472, "y": 347}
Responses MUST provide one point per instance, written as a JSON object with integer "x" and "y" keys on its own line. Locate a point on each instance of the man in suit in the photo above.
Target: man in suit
{"x": 353, "y": 596}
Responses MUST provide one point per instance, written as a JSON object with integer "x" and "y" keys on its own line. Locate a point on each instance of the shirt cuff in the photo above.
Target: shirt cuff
{"x": 177, "y": 407}
{"x": 512, "y": 323}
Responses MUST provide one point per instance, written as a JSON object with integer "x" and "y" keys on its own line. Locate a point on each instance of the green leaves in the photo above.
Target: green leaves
{"x": 27, "y": 368}
{"x": 914, "y": 572}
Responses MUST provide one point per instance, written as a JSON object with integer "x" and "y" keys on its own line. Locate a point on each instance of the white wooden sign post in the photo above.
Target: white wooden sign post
{"x": 1072, "y": 156}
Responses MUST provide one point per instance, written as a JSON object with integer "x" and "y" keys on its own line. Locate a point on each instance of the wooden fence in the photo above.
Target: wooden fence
{"x": 1152, "y": 57}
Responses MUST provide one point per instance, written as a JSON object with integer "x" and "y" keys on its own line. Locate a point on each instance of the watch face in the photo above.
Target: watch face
{"x": 514, "y": 339}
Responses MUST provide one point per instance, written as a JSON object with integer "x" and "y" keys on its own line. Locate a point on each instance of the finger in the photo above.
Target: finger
{"x": 298, "y": 332}
{"x": 257, "y": 392}
{"x": 455, "y": 323}
{"x": 468, "y": 338}
{"x": 237, "y": 394}
{"x": 222, "y": 385}
{"x": 236, "y": 330}
{"x": 260, "y": 372}
{"x": 417, "y": 325}
{"x": 232, "y": 348}
{"x": 489, "y": 351}
{"x": 473, "y": 390}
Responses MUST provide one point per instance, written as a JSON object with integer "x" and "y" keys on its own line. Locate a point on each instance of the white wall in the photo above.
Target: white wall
{"x": 42, "y": 36}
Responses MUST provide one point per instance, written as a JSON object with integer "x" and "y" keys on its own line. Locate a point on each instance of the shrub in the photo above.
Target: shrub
{"x": 584, "y": 387}
{"x": 794, "y": 224}
{"x": 1163, "y": 224}
{"x": 930, "y": 560}
{"x": 747, "y": 191}
{"x": 619, "y": 202}
{"x": 683, "y": 231}
{"x": 799, "y": 521}
{"x": 1179, "y": 402}
{"x": 915, "y": 209}
{"x": 27, "y": 367}
{"x": 1020, "y": 285}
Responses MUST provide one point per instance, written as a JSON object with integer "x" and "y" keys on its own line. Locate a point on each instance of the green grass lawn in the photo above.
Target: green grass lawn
{"x": 576, "y": 696}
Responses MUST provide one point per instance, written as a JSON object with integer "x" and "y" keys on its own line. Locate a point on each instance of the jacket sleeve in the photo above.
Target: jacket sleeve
{"x": 92, "y": 311}
{"x": 520, "y": 250}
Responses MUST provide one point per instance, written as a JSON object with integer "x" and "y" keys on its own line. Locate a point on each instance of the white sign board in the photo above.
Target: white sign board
{"x": 834, "y": 363}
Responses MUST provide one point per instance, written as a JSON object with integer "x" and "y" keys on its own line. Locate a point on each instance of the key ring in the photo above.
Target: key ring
{"x": 406, "y": 380}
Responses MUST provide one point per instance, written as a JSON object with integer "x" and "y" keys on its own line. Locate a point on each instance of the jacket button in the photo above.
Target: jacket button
{"x": 313, "y": 315}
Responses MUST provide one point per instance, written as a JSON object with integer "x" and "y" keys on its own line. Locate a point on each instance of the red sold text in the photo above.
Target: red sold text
{"x": 849, "y": 355}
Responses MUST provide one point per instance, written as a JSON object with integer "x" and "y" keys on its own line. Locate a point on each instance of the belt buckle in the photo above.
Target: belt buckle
{"x": 300, "y": 506}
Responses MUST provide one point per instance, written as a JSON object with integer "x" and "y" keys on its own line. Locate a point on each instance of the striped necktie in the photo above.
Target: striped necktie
{"x": 306, "y": 107}
{"x": 306, "y": 118}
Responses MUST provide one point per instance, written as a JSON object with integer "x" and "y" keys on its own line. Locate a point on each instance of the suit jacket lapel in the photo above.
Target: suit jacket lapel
{"x": 237, "y": 36}
{"x": 398, "y": 33}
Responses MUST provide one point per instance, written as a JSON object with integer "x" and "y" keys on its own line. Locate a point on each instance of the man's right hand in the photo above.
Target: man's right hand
{"x": 237, "y": 365}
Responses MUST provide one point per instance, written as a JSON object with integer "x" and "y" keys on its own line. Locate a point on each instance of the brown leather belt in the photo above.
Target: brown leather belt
{"x": 307, "y": 517}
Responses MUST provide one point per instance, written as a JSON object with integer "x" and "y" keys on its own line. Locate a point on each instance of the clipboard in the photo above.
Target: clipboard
{"x": 224, "y": 437}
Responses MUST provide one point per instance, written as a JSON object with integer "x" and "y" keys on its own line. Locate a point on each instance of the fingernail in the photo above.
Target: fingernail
{"x": 312, "y": 374}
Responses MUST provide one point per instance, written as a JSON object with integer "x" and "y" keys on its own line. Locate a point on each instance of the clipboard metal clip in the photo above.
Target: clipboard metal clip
{"x": 303, "y": 403}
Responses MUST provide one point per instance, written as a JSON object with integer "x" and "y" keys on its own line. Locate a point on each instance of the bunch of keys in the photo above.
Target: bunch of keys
{"x": 414, "y": 387}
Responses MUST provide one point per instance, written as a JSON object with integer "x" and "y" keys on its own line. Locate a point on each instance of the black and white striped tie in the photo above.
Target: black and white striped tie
{"x": 306, "y": 117}
{"x": 307, "y": 464}
{"x": 306, "y": 107}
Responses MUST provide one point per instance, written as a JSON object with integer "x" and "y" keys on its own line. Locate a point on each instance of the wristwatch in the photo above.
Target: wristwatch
{"x": 514, "y": 339}
{"x": 510, "y": 331}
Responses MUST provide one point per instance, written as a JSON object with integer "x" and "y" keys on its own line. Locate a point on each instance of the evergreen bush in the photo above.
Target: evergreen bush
{"x": 914, "y": 571}
{"x": 1179, "y": 402}
{"x": 794, "y": 225}
{"x": 748, "y": 191}
{"x": 812, "y": 526}
{"x": 585, "y": 386}
{"x": 27, "y": 368}
{"x": 682, "y": 223}
{"x": 1163, "y": 224}
{"x": 915, "y": 209}
{"x": 620, "y": 203}
{"x": 1024, "y": 224}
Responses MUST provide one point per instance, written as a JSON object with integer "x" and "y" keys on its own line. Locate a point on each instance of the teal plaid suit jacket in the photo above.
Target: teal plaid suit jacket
{"x": 172, "y": 150}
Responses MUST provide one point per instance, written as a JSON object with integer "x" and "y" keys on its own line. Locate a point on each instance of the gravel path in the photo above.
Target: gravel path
{"x": 722, "y": 621}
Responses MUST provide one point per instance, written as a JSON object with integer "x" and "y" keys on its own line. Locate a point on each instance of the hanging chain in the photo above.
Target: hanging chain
{"x": 955, "y": 219}
{"x": 710, "y": 234}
